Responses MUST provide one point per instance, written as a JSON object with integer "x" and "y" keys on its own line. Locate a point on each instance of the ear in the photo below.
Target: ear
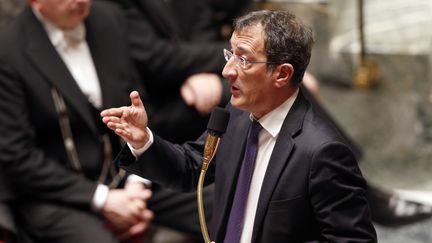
{"x": 284, "y": 74}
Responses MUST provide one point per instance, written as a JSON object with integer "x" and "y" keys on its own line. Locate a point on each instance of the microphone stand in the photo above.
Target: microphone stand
{"x": 216, "y": 126}
{"x": 209, "y": 151}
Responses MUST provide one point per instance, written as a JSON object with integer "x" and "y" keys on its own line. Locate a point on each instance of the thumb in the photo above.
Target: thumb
{"x": 135, "y": 99}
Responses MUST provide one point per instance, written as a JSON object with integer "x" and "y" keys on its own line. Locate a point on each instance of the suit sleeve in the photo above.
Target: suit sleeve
{"x": 175, "y": 166}
{"x": 337, "y": 192}
{"x": 29, "y": 172}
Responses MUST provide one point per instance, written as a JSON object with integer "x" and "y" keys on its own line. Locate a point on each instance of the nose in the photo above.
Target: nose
{"x": 229, "y": 70}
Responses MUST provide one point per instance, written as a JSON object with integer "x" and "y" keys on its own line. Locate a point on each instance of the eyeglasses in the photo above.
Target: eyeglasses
{"x": 241, "y": 62}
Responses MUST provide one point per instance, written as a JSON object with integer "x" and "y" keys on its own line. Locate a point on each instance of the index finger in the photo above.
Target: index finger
{"x": 112, "y": 112}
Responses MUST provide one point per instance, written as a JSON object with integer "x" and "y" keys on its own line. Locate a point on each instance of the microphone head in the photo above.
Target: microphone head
{"x": 218, "y": 121}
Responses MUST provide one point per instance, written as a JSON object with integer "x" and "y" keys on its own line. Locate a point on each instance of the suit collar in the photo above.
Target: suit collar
{"x": 45, "y": 58}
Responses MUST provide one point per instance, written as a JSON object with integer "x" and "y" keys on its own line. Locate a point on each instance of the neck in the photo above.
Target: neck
{"x": 275, "y": 101}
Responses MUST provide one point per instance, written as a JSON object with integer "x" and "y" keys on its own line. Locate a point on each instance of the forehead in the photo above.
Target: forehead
{"x": 52, "y": 2}
{"x": 249, "y": 39}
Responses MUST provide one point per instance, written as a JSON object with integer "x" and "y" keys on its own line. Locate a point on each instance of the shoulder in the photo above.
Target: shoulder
{"x": 13, "y": 28}
{"x": 13, "y": 35}
{"x": 316, "y": 132}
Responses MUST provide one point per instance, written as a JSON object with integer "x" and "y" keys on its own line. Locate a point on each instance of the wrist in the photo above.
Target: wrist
{"x": 141, "y": 142}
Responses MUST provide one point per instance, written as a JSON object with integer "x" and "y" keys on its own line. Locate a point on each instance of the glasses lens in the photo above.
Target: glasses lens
{"x": 243, "y": 62}
{"x": 240, "y": 61}
{"x": 227, "y": 54}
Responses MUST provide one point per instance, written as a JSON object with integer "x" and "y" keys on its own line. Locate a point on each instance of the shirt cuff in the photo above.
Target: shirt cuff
{"x": 100, "y": 197}
{"x": 134, "y": 178}
{"x": 138, "y": 152}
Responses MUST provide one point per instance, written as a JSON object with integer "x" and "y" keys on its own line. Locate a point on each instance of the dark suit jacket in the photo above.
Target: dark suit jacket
{"x": 171, "y": 41}
{"x": 7, "y": 221}
{"x": 313, "y": 190}
{"x": 32, "y": 152}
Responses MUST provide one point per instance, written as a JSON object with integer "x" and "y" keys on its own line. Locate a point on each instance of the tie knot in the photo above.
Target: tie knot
{"x": 255, "y": 129}
{"x": 74, "y": 36}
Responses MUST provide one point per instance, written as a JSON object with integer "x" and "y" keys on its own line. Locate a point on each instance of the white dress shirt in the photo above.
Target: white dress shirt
{"x": 272, "y": 124}
{"x": 75, "y": 53}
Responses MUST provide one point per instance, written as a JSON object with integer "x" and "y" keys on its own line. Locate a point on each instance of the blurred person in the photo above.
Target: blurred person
{"x": 175, "y": 47}
{"x": 306, "y": 185}
{"x": 7, "y": 222}
{"x": 57, "y": 70}
{"x": 224, "y": 11}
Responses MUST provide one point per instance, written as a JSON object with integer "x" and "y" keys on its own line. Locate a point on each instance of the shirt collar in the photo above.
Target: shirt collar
{"x": 57, "y": 35}
{"x": 272, "y": 121}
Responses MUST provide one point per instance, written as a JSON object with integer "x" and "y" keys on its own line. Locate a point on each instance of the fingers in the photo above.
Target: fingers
{"x": 113, "y": 112}
{"x": 136, "y": 100}
{"x": 140, "y": 227}
{"x": 144, "y": 194}
{"x": 119, "y": 112}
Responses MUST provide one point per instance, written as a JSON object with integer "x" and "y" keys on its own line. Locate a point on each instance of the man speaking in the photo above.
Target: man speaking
{"x": 282, "y": 172}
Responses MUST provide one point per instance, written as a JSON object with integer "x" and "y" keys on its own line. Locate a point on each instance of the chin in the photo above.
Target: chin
{"x": 237, "y": 103}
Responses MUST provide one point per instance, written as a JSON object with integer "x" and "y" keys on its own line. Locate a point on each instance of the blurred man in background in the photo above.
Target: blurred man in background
{"x": 56, "y": 72}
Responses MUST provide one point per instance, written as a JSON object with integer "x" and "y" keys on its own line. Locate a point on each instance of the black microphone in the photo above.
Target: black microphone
{"x": 216, "y": 126}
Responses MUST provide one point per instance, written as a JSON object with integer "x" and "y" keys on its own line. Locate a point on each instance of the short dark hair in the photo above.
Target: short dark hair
{"x": 287, "y": 39}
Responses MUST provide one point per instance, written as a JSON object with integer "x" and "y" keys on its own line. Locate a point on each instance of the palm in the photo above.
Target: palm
{"x": 129, "y": 122}
{"x": 134, "y": 120}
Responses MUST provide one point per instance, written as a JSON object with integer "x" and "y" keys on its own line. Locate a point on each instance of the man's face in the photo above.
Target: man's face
{"x": 66, "y": 14}
{"x": 251, "y": 88}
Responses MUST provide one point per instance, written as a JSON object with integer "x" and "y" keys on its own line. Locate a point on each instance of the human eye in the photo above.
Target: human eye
{"x": 244, "y": 62}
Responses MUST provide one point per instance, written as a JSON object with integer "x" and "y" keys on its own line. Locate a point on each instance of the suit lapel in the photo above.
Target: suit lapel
{"x": 279, "y": 159}
{"x": 45, "y": 58}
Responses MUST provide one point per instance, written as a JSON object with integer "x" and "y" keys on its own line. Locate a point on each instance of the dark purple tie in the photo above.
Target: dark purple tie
{"x": 236, "y": 217}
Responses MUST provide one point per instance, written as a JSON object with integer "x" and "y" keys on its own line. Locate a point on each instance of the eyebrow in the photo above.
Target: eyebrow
{"x": 242, "y": 49}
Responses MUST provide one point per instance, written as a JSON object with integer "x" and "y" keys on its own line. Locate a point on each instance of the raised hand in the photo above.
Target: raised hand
{"x": 129, "y": 122}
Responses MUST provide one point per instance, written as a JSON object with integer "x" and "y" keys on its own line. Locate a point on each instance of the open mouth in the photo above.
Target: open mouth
{"x": 234, "y": 89}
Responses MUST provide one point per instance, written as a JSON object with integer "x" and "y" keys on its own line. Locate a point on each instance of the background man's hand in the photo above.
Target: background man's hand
{"x": 123, "y": 208}
{"x": 203, "y": 91}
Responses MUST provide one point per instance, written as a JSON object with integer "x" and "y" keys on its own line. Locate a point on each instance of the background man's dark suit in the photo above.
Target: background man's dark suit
{"x": 170, "y": 41}
{"x": 313, "y": 187}
{"x": 32, "y": 152}
{"x": 7, "y": 223}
